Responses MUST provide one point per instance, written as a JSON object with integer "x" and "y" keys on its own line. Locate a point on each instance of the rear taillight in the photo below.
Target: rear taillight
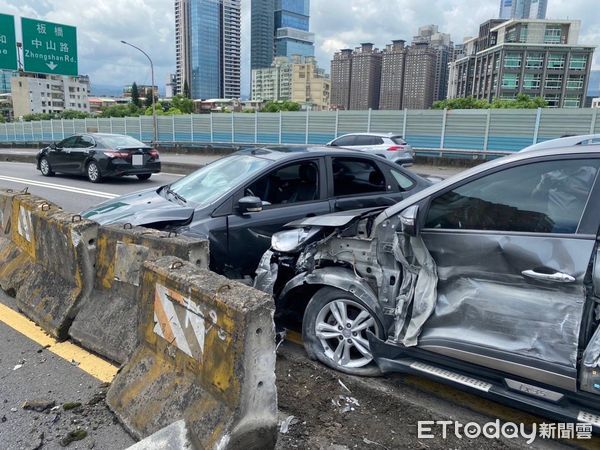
{"x": 154, "y": 153}
{"x": 111, "y": 154}
{"x": 395, "y": 148}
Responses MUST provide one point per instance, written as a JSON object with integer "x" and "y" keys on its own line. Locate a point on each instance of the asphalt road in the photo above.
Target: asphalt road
{"x": 73, "y": 193}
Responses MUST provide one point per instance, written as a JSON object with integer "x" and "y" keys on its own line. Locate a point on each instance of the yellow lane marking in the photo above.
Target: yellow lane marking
{"x": 88, "y": 362}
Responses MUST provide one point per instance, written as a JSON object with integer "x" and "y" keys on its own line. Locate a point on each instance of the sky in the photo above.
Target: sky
{"x": 337, "y": 24}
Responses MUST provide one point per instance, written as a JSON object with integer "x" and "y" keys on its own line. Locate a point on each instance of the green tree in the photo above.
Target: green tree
{"x": 276, "y": 106}
{"x": 522, "y": 101}
{"x": 461, "y": 103}
{"x": 2, "y": 119}
{"x": 185, "y": 105}
{"x": 148, "y": 101}
{"x": 72, "y": 114}
{"x": 186, "y": 90}
{"x": 135, "y": 95}
{"x": 129, "y": 110}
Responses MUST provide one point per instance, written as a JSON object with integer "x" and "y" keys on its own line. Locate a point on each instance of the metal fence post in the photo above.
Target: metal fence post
{"x": 443, "y": 136}
{"x": 232, "y": 127}
{"x": 256, "y": 126}
{"x": 337, "y": 122}
{"x": 23, "y": 130}
{"x": 51, "y": 130}
{"x": 536, "y": 131}
{"x": 486, "y": 137}
{"x": 192, "y": 127}
{"x": 111, "y": 124}
{"x": 369, "y": 121}
{"x": 280, "y": 126}
{"x": 306, "y": 128}
{"x": 404, "y": 123}
{"x": 62, "y": 124}
{"x": 125, "y": 124}
{"x": 593, "y": 124}
{"x": 173, "y": 125}
{"x": 212, "y": 134}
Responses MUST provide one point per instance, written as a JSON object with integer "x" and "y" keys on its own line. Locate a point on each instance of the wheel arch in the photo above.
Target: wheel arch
{"x": 303, "y": 286}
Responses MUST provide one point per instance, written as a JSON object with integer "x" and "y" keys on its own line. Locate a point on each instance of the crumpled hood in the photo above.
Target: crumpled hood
{"x": 140, "y": 208}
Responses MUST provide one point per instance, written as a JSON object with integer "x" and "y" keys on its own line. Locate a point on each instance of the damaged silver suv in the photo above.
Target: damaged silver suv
{"x": 489, "y": 281}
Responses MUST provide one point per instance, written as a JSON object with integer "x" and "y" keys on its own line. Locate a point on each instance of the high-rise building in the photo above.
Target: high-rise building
{"x": 280, "y": 28}
{"x": 392, "y": 76}
{"x": 49, "y": 94}
{"x": 444, "y": 49}
{"x": 341, "y": 73}
{"x": 526, "y": 56}
{"x": 365, "y": 83}
{"x": 208, "y": 47}
{"x": 292, "y": 36}
{"x": 419, "y": 76}
{"x": 170, "y": 85}
{"x": 297, "y": 79}
{"x": 262, "y": 47}
{"x": 5, "y": 77}
{"x": 182, "y": 46}
{"x": 523, "y": 9}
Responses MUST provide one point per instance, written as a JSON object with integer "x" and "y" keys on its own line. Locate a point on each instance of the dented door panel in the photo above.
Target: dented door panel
{"x": 487, "y": 306}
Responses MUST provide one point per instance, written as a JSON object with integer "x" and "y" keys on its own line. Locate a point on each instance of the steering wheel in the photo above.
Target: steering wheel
{"x": 250, "y": 193}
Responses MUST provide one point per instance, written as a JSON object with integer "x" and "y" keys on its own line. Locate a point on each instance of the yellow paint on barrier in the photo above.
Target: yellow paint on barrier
{"x": 88, "y": 362}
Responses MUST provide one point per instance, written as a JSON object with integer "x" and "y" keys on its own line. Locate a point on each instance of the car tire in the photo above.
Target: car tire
{"x": 93, "y": 172}
{"x": 45, "y": 167}
{"x": 144, "y": 176}
{"x": 325, "y": 342}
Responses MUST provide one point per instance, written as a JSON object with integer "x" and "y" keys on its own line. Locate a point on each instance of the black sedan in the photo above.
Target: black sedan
{"x": 99, "y": 155}
{"x": 239, "y": 201}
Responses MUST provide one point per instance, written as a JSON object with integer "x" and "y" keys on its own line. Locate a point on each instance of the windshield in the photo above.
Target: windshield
{"x": 209, "y": 183}
{"x": 398, "y": 140}
{"x": 120, "y": 141}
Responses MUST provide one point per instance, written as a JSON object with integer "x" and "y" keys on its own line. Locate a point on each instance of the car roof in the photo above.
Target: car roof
{"x": 372, "y": 134}
{"x": 581, "y": 150}
{"x": 300, "y": 151}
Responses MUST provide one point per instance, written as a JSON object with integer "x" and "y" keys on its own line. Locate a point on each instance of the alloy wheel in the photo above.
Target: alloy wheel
{"x": 341, "y": 327}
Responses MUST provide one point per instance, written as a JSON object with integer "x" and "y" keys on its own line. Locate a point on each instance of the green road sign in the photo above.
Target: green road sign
{"x": 49, "y": 47}
{"x": 8, "y": 43}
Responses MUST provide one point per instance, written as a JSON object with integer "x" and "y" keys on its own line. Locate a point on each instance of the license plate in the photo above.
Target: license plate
{"x": 138, "y": 160}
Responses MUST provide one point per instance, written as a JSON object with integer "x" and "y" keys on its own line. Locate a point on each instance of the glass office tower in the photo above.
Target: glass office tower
{"x": 208, "y": 47}
{"x": 280, "y": 28}
{"x": 291, "y": 28}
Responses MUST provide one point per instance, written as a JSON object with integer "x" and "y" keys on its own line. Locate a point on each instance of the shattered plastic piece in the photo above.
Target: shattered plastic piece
{"x": 38, "y": 405}
{"x": 370, "y": 442}
{"x": 18, "y": 366}
{"x": 343, "y": 385}
{"x": 285, "y": 424}
{"x": 266, "y": 274}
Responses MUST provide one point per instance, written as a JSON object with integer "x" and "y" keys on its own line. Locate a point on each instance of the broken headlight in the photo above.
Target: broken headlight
{"x": 291, "y": 241}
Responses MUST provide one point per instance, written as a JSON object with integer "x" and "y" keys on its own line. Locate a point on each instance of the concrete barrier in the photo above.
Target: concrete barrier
{"x": 206, "y": 356}
{"x": 47, "y": 261}
{"x": 108, "y": 320}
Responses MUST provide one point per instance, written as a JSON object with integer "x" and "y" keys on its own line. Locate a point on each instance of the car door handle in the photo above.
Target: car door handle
{"x": 556, "y": 277}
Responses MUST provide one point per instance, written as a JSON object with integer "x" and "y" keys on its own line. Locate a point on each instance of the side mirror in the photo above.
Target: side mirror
{"x": 250, "y": 205}
{"x": 409, "y": 220}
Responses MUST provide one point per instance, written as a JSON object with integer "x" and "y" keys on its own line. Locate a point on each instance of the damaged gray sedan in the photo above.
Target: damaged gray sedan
{"x": 488, "y": 281}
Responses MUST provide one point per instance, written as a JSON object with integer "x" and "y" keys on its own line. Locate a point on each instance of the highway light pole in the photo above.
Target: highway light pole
{"x": 155, "y": 125}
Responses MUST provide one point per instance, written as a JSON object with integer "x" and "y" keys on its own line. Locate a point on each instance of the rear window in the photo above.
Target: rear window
{"x": 117, "y": 141}
{"x": 398, "y": 140}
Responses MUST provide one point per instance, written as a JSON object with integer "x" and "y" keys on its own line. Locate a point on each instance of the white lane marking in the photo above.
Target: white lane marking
{"x": 59, "y": 187}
